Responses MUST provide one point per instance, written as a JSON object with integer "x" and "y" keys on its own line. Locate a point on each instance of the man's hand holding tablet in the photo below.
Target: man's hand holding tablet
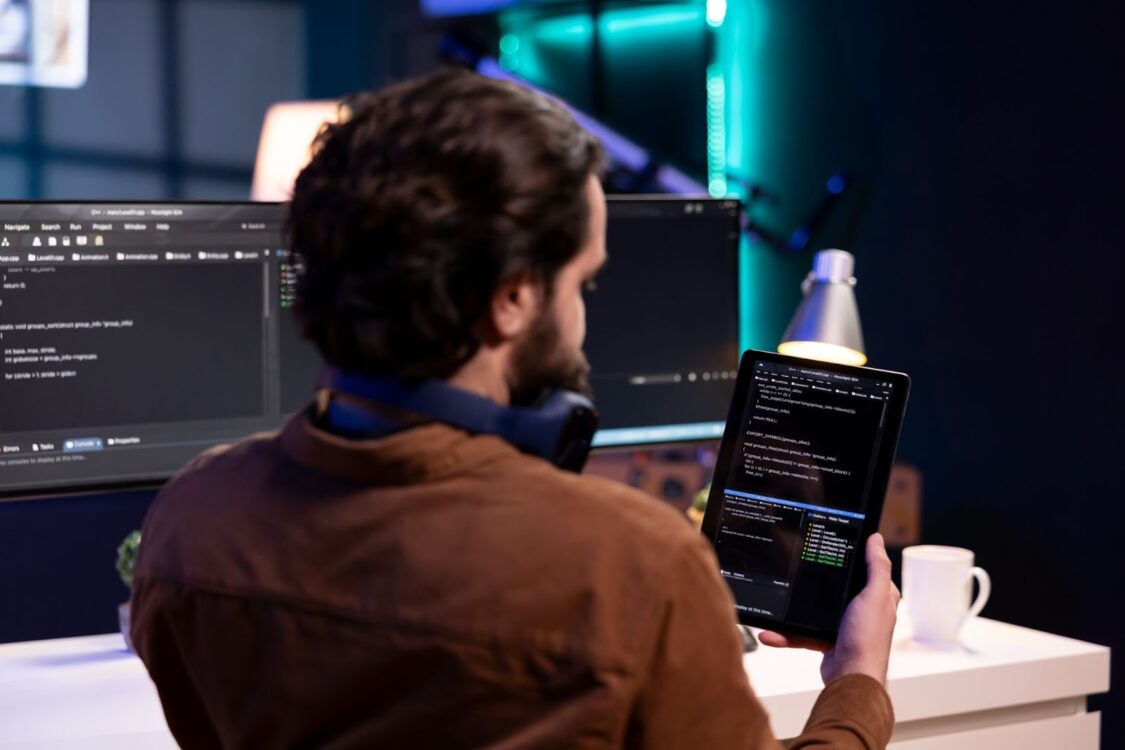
{"x": 864, "y": 643}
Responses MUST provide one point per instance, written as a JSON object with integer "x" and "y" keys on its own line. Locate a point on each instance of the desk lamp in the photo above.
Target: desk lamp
{"x": 283, "y": 148}
{"x": 826, "y": 324}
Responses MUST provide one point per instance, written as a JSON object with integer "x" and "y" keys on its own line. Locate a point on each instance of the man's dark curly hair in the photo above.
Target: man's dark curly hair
{"x": 419, "y": 203}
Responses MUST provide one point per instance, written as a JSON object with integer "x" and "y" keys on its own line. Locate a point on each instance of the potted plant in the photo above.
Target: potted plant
{"x": 126, "y": 559}
{"x": 699, "y": 505}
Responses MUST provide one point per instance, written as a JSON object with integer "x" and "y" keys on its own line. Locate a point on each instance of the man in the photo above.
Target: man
{"x": 421, "y": 586}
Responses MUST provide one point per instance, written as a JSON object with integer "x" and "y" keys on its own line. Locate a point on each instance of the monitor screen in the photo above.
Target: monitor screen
{"x": 136, "y": 335}
{"x": 662, "y": 325}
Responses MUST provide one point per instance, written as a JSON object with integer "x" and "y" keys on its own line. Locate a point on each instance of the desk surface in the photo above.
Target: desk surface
{"x": 997, "y": 665}
{"x": 90, "y": 692}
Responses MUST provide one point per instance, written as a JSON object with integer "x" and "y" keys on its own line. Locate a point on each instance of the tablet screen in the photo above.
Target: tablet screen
{"x": 804, "y": 468}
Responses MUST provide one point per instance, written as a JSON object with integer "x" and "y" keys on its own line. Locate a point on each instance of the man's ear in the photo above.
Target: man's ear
{"x": 514, "y": 308}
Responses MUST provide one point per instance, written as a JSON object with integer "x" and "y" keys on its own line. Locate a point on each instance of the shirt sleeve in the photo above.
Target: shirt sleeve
{"x": 695, "y": 692}
{"x": 157, "y": 613}
{"x": 853, "y": 711}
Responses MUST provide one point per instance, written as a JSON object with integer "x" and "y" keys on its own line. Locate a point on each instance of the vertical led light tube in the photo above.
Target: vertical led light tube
{"x": 716, "y": 132}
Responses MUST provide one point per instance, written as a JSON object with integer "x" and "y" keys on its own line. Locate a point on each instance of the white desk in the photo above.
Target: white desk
{"x": 1007, "y": 687}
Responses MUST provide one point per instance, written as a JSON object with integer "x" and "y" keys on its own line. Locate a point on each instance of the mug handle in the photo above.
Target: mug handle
{"x": 985, "y": 584}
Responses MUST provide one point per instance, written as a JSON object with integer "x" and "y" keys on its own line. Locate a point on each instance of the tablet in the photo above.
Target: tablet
{"x": 799, "y": 486}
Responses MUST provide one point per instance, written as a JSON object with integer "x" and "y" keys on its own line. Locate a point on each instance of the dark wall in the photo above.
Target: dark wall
{"x": 985, "y": 144}
{"x": 171, "y": 108}
{"x": 986, "y": 253}
{"x": 57, "y": 556}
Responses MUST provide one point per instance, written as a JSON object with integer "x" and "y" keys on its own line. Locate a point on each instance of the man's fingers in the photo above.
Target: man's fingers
{"x": 770, "y": 638}
{"x": 777, "y": 640}
{"x": 878, "y": 564}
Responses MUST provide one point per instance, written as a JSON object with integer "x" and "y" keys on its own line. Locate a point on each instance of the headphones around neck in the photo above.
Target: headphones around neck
{"x": 560, "y": 429}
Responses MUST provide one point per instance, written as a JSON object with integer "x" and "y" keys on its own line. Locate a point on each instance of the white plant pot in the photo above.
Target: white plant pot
{"x": 123, "y": 621}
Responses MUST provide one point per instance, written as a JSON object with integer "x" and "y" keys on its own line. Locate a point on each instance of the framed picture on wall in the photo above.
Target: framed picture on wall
{"x": 43, "y": 42}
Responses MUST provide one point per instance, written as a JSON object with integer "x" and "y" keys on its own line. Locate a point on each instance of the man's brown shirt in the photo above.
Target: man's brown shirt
{"x": 433, "y": 589}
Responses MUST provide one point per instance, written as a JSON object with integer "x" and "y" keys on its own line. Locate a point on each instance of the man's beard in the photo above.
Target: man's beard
{"x": 539, "y": 366}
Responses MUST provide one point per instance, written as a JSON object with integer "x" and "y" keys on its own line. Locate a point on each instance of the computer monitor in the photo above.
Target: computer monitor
{"x": 136, "y": 335}
{"x": 662, "y": 335}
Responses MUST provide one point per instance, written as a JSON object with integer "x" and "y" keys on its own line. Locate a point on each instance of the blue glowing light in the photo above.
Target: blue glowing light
{"x": 799, "y": 238}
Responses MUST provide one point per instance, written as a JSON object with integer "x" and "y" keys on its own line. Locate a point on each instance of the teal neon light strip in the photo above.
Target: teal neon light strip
{"x": 628, "y": 20}
{"x": 716, "y": 132}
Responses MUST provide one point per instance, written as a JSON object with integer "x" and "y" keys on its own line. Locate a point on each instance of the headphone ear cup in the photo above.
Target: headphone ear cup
{"x": 561, "y": 430}
{"x": 572, "y": 455}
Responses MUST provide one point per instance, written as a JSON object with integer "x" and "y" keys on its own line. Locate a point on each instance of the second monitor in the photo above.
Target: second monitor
{"x": 663, "y": 323}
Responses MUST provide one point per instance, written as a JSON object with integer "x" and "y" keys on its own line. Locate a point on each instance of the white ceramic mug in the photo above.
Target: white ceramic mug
{"x": 937, "y": 586}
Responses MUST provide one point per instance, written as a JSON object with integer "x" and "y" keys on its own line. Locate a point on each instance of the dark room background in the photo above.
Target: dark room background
{"x": 984, "y": 144}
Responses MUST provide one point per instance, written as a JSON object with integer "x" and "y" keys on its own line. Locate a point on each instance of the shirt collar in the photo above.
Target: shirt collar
{"x": 419, "y": 454}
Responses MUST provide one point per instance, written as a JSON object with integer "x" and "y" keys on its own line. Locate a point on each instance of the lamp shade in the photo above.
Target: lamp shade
{"x": 283, "y": 148}
{"x": 826, "y": 324}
